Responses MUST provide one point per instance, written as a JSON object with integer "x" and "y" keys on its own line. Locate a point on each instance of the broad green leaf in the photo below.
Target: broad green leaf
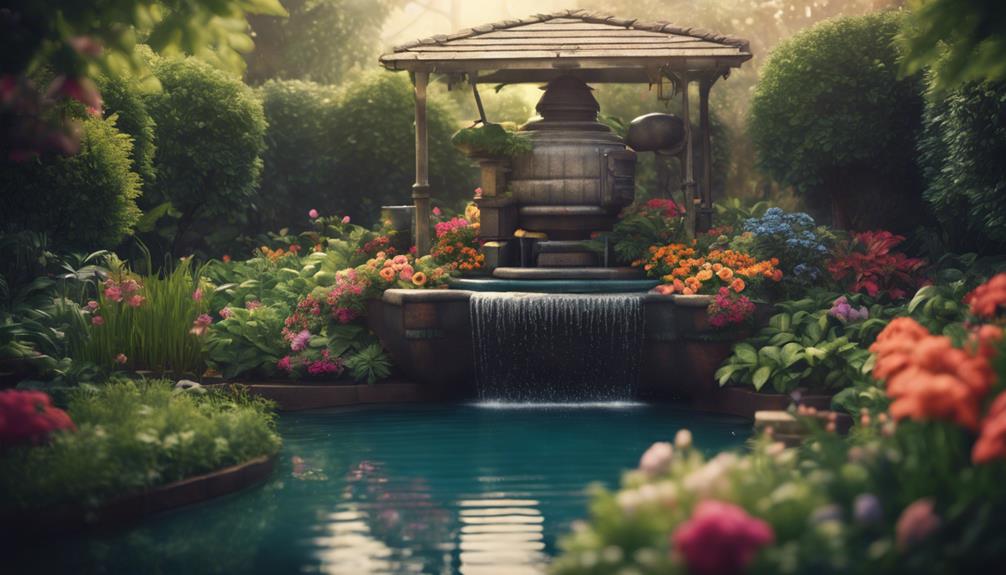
{"x": 760, "y": 376}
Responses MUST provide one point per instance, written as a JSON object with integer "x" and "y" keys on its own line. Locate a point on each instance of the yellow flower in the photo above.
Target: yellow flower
{"x": 704, "y": 275}
{"x": 419, "y": 279}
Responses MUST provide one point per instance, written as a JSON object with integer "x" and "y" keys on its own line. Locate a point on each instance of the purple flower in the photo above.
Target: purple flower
{"x": 867, "y": 509}
{"x": 300, "y": 340}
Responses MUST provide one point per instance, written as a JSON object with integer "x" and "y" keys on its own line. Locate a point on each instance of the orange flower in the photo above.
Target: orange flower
{"x": 894, "y": 345}
{"x": 704, "y": 275}
{"x": 387, "y": 274}
{"x": 738, "y": 285}
{"x": 987, "y": 298}
{"x": 725, "y": 273}
{"x": 991, "y": 444}
{"x": 664, "y": 289}
{"x": 419, "y": 279}
{"x": 688, "y": 291}
{"x": 678, "y": 285}
{"x": 777, "y": 275}
{"x": 929, "y": 396}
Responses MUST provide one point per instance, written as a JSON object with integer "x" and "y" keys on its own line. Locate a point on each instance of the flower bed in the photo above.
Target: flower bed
{"x": 124, "y": 438}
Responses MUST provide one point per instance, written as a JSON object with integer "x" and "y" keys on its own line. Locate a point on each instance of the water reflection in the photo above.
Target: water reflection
{"x": 501, "y": 536}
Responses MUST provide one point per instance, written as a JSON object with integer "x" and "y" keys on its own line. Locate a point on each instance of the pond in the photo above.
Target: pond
{"x": 463, "y": 489}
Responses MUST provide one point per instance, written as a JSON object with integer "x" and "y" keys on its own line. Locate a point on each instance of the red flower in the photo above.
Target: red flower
{"x": 83, "y": 90}
{"x": 991, "y": 444}
{"x": 720, "y": 538}
{"x": 987, "y": 298}
{"x": 29, "y": 417}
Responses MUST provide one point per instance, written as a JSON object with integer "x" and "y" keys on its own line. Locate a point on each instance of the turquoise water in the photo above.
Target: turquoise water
{"x": 415, "y": 489}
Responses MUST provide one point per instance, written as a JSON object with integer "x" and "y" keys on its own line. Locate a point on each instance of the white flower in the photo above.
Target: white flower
{"x": 683, "y": 439}
{"x": 221, "y": 443}
{"x": 170, "y": 440}
{"x": 657, "y": 458}
{"x": 149, "y": 436}
{"x": 708, "y": 478}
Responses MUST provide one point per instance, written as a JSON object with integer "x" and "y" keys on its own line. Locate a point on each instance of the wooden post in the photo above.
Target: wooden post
{"x": 421, "y": 189}
{"x": 705, "y": 215}
{"x": 688, "y": 186}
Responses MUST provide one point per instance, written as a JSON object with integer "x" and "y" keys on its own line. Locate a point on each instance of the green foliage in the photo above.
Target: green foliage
{"x": 155, "y": 334}
{"x": 210, "y": 134}
{"x": 374, "y": 137}
{"x": 370, "y": 364}
{"x": 299, "y": 161}
{"x": 136, "y": 435}
{"x": 84, "y": 201}
{"x": 831, "y": 117}
{"x": 491, "y": 141}
{"x": 960, "y": 40}
{"x": 805, "y": 347}
{"x": 320, "y": 40}
{"x": 122, "y": 96}
{"x": 961, "y": 149}
{"x": 733, "y": 212}
{"x": 247, "y": 342}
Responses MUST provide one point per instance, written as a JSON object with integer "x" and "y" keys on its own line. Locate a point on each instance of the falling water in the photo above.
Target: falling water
{"x": 556, "y": 348}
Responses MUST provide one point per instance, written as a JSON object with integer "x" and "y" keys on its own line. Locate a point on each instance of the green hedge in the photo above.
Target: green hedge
{"x": 210, "y": 134}
{"x": 831, "y": 117}
{"x": 123, "y": 99}
{"x": 963, "y": 152}
{"x": 85, "y": 201}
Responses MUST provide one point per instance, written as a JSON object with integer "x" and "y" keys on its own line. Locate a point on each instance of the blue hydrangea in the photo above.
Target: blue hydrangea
{"x": 792, "y": 237}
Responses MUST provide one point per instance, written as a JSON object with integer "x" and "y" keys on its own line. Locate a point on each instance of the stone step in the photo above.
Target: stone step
{"x": 568, "y": 273}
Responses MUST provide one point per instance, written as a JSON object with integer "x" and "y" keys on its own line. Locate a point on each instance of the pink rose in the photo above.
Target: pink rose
{"x": 720, "y": 538}
{"x": 345, "y": 219}
{"x": 436, "y": 211}
{"x": 92, "y": 305}
{"x": 113, "y": 293}
{"x": 97, "y": 320}
{"x": 313, "y": 214}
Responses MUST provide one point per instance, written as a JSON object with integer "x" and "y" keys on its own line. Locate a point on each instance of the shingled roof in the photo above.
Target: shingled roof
{"x": 600, "y": 47}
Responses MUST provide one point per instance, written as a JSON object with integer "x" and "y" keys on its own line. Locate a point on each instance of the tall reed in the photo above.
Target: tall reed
{"x": 146, "y": 322}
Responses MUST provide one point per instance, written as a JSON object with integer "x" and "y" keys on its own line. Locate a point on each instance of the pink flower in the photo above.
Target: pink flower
{"x": 130, "y": 286}
{"x": 92, "y": 305}
{"x": 198, "y": 294}
{"x": 436, "y": 211}
{"x": 917, "y": 522}
{"x": 136, "y": 300}
{"x": 121, "y": 359}
{"x": 720, "y": 538}
{"x": 29, "y": 417}
{"x": 313, "y": 214}
{"x": 657, "y": 458}
{"x": 253, "y": 305}
{"x": 406, "y": 273}
{"x": 284, "y": 364}
{"x": 200, "y": 324}
{"x": 97, "y": 320}
{"x": 345, "y": 315}
{"x": 300, "y": 340}
{"x": 478, "y": 193}
{"x": 84, "y": 90}
{"x": 345, "y": 219}
{"x": 226, "y": 313}
{"x": 113, "y": 293}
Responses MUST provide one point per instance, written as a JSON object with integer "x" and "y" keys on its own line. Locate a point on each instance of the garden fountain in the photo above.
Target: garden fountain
{"x": 597, "y": 325}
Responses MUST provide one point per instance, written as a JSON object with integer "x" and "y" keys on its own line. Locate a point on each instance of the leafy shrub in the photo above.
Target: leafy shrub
{"x": 247, "y": 341}
{"x": 370, "y": 364}
{"x": 655, "y": 222}
{"x": 122, "y": 97}
{"x": 961, "y": 150}
{"x": 831, "y": 117}
{"x": 867, "y": 263}
{"x": 808, "y": 345}
{"x": 210, "y": 130}
{"x": 135, "y": 435}
{"x": 491, "y": 140}
{"x": 374, "y": 137}
{"x": 84, "y": 201}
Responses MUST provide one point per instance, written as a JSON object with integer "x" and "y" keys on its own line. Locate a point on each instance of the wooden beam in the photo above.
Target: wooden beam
{"x": 705, "y": 215}
{"x": 688, "y": 185}
{"x": 421, "y": 189}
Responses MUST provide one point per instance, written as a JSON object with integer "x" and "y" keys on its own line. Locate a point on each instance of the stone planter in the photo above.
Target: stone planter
{"x": 132, "y": 507}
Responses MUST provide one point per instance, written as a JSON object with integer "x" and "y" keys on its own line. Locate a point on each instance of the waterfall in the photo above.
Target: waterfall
{"x": 556, "y": 348}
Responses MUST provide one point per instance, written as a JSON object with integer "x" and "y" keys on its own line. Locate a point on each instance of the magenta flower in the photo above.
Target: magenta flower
{"x": 198, "y": 294}
{"x": 720, "y": 538}
{"x": 97, "y": 320}
{"x": 313, "y": 214}
{"x": 284, "y": 364}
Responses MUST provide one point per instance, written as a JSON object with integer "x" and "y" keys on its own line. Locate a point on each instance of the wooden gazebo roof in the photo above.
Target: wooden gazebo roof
{"x": 597, "y": 47}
